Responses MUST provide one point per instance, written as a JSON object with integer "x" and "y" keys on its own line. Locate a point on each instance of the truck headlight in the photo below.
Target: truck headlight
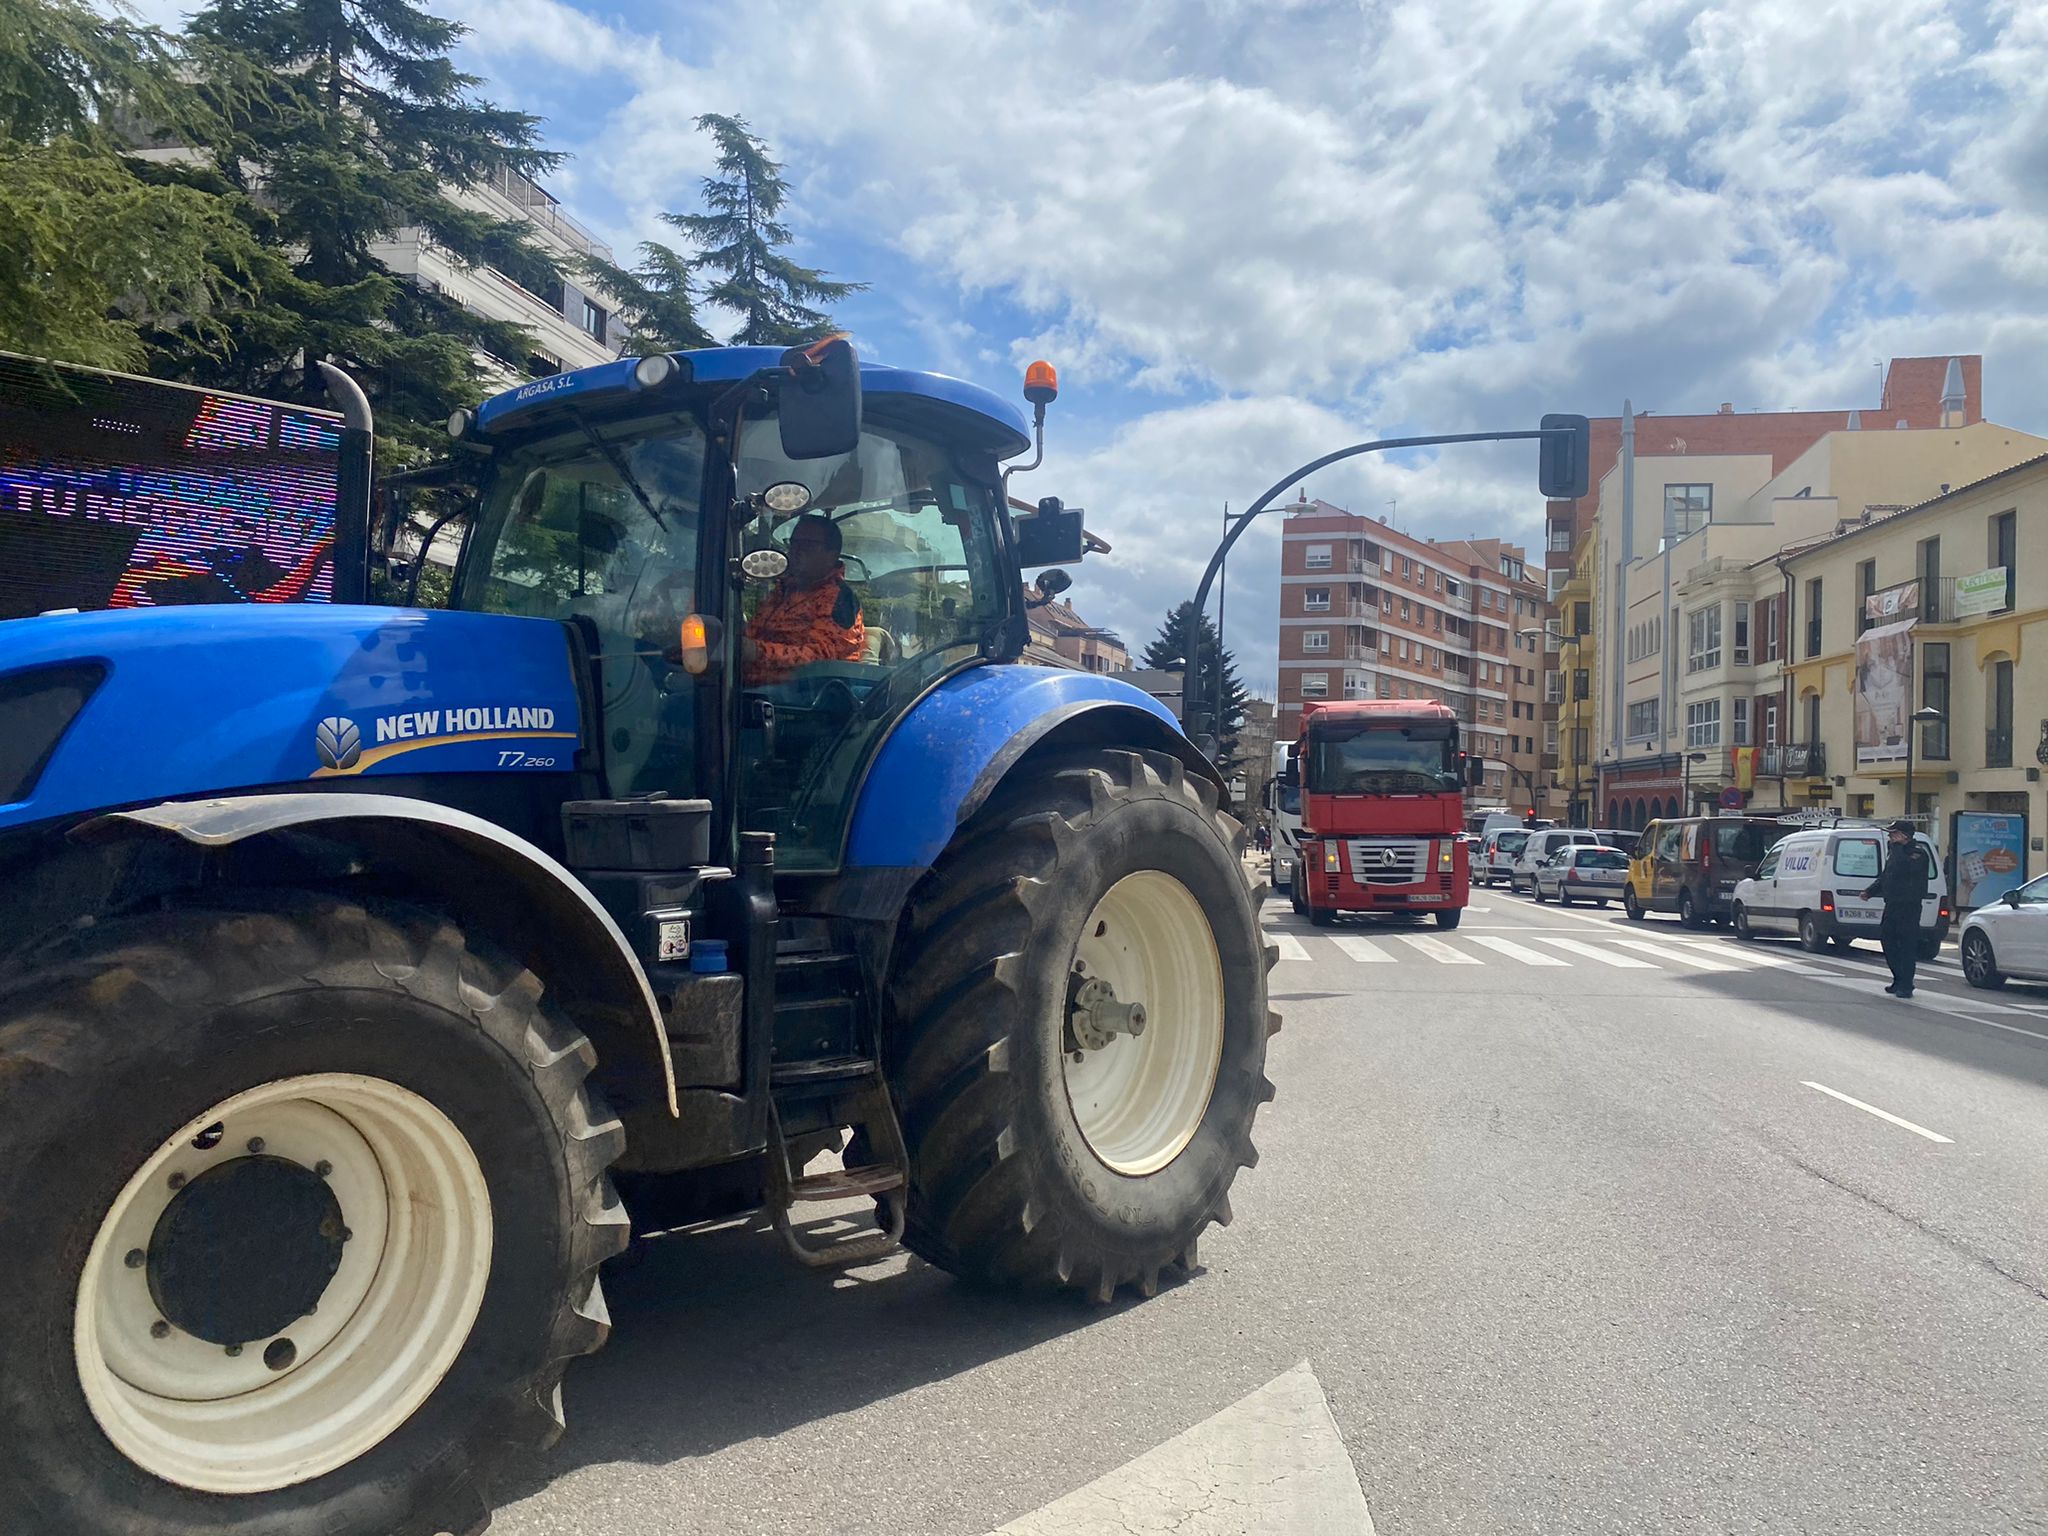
{"x": 1329, "y": 858}
{"x": 1443, "y": 855}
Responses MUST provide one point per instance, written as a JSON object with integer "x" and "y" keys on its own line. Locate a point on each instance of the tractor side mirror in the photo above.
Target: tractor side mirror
{"x": 820, "y": 402}
{"x": 1053, "y": 535}
{"x": 1564, "y": 465}
{"x": 1051, "y": 584}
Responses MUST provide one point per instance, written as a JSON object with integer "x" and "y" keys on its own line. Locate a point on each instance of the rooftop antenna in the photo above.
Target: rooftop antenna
{"x": 1394, "y": 512}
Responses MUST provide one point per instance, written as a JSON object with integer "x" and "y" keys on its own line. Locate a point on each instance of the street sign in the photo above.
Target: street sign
{"x": 1732, "y": 798}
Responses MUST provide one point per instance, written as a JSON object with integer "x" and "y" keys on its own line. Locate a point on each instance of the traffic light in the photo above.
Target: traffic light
{"x": 1564, "y": 457}
{"x": 1529, "y": 816}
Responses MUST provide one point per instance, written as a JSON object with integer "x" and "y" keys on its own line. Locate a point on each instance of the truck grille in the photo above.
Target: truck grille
{"x": 1389, "y": 860}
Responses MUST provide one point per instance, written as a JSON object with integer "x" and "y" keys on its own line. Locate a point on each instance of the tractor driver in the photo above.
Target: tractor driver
{"x": 812, "y": 615}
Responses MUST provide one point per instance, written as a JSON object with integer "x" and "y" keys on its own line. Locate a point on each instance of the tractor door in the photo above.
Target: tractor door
{"x": 914, "y": 555}
{"x": 603, "y": 535}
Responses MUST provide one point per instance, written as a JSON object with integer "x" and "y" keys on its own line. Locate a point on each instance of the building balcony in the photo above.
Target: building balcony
{"x": 1802, "y": 760}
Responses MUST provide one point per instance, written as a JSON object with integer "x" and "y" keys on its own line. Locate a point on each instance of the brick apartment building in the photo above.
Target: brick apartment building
{"x": 1367, "y": 612}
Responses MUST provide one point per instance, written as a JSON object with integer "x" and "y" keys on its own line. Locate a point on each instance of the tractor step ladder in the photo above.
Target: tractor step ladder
{"x": 858, "y": 1099}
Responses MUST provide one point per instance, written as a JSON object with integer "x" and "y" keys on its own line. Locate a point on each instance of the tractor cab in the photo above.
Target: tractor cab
{"x": 660, "y": 519}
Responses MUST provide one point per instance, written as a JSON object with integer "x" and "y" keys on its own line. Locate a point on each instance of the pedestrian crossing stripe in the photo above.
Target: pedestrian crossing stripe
{"x": 1683, "y": 956}
{"x": 1289, "y": 946}
{"x": 1593, "y": 952}
{"x": 1360, "y": 949}
{"x": 1516, "y": 951}
{"x": 1437, "y": 949}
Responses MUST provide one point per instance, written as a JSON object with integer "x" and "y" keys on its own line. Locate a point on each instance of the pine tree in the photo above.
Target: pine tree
{"x": 1169, "y": 653}
{"x": 341, "y": 122}
{"x": 655, "y": 298}
{"x": 741, "y": 235}
{"x": 94, "y": 240}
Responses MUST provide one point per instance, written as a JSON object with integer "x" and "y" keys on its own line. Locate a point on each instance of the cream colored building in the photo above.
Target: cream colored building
{"x": 1969, "y": 569}
{"x": 1695, "y": 619}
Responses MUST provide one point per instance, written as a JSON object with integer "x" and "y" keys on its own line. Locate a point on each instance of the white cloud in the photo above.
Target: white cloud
{"x": 1269, "y": 228}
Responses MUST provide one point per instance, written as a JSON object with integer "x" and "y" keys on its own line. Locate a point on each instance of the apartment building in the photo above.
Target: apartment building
{"x": 1912, "y": 395}
{"x": 1574, "y": 681}
{"x": 1693, "y": 628}
{"x": 573, "y": 326}
{"x": 1367, "y": 611}
{"x": 1060, "y": 637}
{"x": 1933, "y": 607}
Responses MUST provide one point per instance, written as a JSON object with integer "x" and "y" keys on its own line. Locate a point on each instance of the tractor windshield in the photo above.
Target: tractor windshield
{"x": 603, "y": 533}
{"x": 895, "y": 579}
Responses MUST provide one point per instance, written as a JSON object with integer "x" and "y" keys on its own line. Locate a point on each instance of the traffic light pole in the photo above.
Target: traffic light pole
{"x": 1553, "y": 436}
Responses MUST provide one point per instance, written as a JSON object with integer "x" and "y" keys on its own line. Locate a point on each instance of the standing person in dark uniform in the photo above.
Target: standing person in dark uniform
{"x": 1903, "y": 885}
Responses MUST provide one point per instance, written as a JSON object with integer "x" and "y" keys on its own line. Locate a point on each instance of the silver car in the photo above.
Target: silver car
{"x": 1582, "y": 872}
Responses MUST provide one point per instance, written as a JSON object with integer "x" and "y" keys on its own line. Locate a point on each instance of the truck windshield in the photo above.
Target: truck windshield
{"x": 1384, "y": 760}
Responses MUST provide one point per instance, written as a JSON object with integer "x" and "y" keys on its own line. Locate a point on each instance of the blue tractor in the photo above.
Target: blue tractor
{"x": 368, "y": 974}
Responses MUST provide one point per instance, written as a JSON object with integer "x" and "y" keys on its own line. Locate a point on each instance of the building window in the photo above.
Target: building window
{"x": 1405, "y": 615}
{"x": 1560, "y": 538}
{"x": 1934, "y": 693}
{"x": 1439, "y": 620}
{"x": 1767, "y": 713}
{"x": 1401, "y": 647}
{"x": 1582, "y": 683}
{"x": 1386, "y": 602}
{"x": 1450, "y": 586}
{"x": 1866, "y": 588}
{"x": 1998, "y": 712}
{"x": 1767, "y": 617}
{"x": 1703, "y": 723}
{"x": 594, "y": 318}
{"x": 1813, "y": 618}
{"x": 1642, "y": 719}
{"x": 1439, "y": 575}
{"x": 1813, "y": 719}
{"x": 1553, "y": 687}
{"x": 1315, "y": 685}
{"x": 1550, "y": 737}
{"x": 1407, "y": 568}
{"x": 1741, "y": 647}
{"x": 1581, "y": 739}
{"x": 2005, "y": 539}
{"x": 1318, "y": 558}
{"x": 1927, "y": 569}
{"x": 1687, "y": 509}
{"x": 1703, "y": 639}
{"x": 1740, "y": 724}
{"x": 1316, "y": 599}
{"x": 1315, "y": 640}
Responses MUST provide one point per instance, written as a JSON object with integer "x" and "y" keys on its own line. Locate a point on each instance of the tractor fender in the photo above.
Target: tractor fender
{"x": 564, "y": 930}
{"x": 957, "y": 743}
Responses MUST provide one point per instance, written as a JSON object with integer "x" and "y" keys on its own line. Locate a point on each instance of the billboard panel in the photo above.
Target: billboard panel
{"x": 119, "y": 492}
{"x": 1991, "y": 856}
{"x": 1884, "y": 693}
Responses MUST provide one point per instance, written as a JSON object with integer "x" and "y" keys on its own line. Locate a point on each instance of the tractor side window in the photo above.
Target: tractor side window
{"x": 917, "y": 560}
{"x": 604, "y": 537}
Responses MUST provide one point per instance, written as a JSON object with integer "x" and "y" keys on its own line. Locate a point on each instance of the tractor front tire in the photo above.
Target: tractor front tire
{"x": 306, "y": 1202}
{"x": 1040, "y": 1159}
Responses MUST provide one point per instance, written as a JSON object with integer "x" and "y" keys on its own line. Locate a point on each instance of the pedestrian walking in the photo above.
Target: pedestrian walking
{"x": 1903, "y": 885}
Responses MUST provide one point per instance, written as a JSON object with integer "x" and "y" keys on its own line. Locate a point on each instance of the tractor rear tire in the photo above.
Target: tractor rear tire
{"x": 440, "y": 1256}
{"x": 1031, "y": 1168}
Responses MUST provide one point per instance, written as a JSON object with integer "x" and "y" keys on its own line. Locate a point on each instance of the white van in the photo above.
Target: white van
{"x": 1811, "y": 885}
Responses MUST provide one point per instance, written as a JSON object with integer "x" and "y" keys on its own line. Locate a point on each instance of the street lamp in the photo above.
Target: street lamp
{"x": 1926, "y": 714}
{"x": 1690, "y": 759}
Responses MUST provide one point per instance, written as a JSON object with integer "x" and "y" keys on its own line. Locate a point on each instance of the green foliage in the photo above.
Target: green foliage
{"x": 741, "y": 237}
{"x": 1169, "y": 652}
{"x": 336, "y": 124}
{"x": 654, "y": 298}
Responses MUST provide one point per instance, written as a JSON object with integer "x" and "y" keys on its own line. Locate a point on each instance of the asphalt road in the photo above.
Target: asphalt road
{"x": 1573, "y": 1219}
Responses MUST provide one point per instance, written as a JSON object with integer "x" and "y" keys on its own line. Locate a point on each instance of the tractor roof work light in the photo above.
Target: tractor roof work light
{"x": 654, "y": 371}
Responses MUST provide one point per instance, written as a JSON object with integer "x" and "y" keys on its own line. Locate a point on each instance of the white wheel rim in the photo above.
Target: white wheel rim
{"x": 386, "y": 1329}
{"x": 1140, "y": 1099}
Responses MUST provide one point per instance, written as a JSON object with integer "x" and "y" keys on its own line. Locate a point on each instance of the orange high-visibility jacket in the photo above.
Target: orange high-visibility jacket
{"x": 794, "y": 629}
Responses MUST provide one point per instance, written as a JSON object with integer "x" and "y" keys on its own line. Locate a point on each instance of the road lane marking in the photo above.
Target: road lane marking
{"x": 1592, "y": 952}
{"x": 1362, "y": 949}
{"x": 1437, "y": 950}
{"x": 1290, "y": 947}
{"x": 1882, "y": 1114}
{"x": 1516, "y": 951}
{"x": 1668, "y": 952}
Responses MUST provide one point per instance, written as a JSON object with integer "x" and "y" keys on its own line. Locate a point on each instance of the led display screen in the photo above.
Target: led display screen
{"x": 119, "y": 492}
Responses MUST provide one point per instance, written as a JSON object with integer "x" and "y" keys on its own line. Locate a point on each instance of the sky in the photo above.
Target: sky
{"x": 1250, "y": 233}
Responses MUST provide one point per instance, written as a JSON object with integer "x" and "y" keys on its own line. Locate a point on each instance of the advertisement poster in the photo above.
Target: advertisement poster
{"x": 1991, "y": 856}
{"x": 1884, "y": 693}
{"x": 1982, "y": 592}
{"x": 119, "y": 492}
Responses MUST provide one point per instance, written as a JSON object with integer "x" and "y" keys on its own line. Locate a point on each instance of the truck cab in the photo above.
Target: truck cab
{"x": 1382, "y": 791}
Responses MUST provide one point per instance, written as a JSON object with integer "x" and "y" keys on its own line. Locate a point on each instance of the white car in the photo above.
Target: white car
{"x": 1496, "y": 861}
{"x": 1811, "y": 885}
{"x": 1537, "y": 851}
{"x": 1581, "y": 872}
{"x": 2008, "y": 938}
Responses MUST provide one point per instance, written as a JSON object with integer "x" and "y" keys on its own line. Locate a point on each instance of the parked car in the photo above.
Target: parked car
{"x": 1496, "y": 862}
{"x": 1811, "y": 884}
{"x": 1691, "y": 865}
{"x": 1537, "y": 850}
{"x": 2008, "y": 938}
{"x": 1582, "y": 871}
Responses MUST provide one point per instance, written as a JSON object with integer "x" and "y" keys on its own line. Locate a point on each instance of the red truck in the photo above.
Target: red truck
{"x": 1382, "y": 806}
